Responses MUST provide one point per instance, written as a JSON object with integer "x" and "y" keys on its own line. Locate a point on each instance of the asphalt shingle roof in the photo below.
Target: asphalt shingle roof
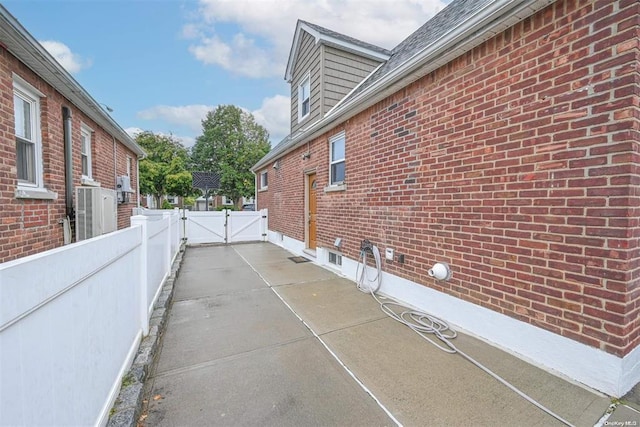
{"x": 446, "y": 20}
{"x": 330, "y": 33}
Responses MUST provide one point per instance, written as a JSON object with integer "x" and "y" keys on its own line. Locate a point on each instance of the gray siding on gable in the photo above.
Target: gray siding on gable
{"x": 334, "y": 73}
{"x": 308, "y": 61}
{"x": 342, "y": 72}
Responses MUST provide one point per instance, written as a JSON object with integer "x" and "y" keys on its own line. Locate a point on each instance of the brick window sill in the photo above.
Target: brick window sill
{"x": 334, "y": 188}
{"x": 35, "y": 193}
{"x": 263, "y": 189}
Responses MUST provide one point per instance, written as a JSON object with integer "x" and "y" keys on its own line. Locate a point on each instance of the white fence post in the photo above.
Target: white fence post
{"x": 264, "y": 224}
{"x": 176, "y": 214}
{"x": 166, "y": 217}
{"x": 227, "y": 220}
{"x": 141, "y": 220}
{"x": 186, "y": 225}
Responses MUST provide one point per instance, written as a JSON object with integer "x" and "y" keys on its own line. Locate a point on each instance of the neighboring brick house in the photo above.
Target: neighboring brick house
{"x": 501, "y": 137}
{"x": 43, "y": 109}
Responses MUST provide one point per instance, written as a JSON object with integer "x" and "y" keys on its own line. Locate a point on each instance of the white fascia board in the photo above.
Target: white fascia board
{"x": 16, "y": 39}
{"x": 362, "y": 51}
{"x": 292, "y": 54}
{"x": 474, "y": 31}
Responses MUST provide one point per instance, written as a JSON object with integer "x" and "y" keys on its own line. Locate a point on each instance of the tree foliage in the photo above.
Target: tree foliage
{"x": 164, "y": 170}
{"x": 230, "y": 144}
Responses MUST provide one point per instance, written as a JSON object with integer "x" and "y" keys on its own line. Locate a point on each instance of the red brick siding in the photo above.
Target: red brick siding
{"x": 517, "y": 163}
{"x": 31, "y": 226}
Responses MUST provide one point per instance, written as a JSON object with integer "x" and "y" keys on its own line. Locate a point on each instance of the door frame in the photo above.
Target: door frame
{"x": 307, "y": 176}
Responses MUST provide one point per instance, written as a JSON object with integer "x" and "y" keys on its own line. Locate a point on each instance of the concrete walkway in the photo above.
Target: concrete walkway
{"x": 235, "y": 354}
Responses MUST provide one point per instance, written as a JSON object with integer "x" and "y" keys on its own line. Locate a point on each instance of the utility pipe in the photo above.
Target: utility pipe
{"x": 68, "y": 161}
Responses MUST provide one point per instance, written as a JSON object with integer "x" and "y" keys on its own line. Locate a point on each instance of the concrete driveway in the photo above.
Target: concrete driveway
{"x": 254, "y": 339}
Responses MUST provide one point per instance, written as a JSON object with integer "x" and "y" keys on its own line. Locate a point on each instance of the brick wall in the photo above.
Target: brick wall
{"x": 517, "y": 164}
{"x": 29, "y": 226}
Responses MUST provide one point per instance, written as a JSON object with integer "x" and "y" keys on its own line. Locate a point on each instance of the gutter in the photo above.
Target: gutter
{"x": 478, "y": 28}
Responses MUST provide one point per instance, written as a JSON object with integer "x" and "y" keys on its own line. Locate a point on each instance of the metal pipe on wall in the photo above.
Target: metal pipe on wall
{"x": 68, "y": 161}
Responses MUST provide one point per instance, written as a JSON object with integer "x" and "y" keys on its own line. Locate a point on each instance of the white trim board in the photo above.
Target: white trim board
{"x": 590, "y": 366}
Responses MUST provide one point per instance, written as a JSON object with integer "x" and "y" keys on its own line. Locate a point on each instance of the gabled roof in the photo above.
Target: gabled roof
{"x": 326, "y": 36}
{"x": 17, "y": 40}
{"x": 431, "y": 32}
{"x": 458, "y": 28}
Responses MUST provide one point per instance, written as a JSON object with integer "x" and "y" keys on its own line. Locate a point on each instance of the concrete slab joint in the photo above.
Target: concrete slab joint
{"x": 126, "y": 409}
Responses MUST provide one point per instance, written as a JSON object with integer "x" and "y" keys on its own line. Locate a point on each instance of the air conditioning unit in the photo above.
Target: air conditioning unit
{"x": 96, "y": 212}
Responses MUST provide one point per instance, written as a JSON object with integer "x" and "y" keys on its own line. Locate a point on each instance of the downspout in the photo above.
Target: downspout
{"x": 138, "y": 179}
{"x": 68, "y": 162}
{"x": 115, "y": 165}
{"x": 255, "y": 190}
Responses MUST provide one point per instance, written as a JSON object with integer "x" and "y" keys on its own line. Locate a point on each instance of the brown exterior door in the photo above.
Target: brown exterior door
{"x": 311, "y": 182}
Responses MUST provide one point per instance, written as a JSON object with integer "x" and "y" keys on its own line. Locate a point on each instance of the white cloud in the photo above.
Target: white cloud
{"x": 133, "y": 131}
{"x": 72, "y": 62}
{"x": 184, "y": 115}
{"x": 275, "y": 115}
{"x": 261, "y": 47}
{"x": 241, "y": 55}
{"x": 187, "y": 141}
{"x": 191, "y": 31}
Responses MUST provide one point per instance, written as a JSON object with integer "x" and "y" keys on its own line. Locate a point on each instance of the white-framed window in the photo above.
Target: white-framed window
{"x": 26, "y": 108}
{"x": 264, "y": 181}
{"x": 172, "y": 199}
{"x": 85, "y": 151}
{"x": 336, "y": 161}
{"x": 227, "y": 201}
{"x": 304, "y": 98}
{"x": 335, "y": 259}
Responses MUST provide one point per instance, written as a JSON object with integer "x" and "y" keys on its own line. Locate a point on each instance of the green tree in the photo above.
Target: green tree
{"x": 164, "y": 170}
{"x": 231, "y": 142}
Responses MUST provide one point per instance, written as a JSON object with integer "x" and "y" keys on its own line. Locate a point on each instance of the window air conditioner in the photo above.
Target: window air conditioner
{"x": 96, "y": 212}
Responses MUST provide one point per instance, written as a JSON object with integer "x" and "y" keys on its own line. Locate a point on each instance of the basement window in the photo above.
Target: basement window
{"x": 335, "y": 259}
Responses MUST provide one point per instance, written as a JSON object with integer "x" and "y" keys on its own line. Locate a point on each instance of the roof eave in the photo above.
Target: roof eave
{"x": 21, "y": 43}
{"x": 478, "y": 28}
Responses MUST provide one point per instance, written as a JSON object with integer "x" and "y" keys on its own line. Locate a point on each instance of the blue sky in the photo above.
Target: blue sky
{"x": 161, "y": 65}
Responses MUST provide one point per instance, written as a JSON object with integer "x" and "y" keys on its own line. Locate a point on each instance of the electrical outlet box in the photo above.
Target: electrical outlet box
{"x": 388, "y": 254}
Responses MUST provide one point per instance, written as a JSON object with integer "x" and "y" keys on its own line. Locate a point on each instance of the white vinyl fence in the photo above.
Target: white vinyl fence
{"x": 71, "y": 320}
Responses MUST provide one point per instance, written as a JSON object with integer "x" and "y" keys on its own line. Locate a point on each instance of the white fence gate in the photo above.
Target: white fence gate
{"x": 225, "y": 226}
